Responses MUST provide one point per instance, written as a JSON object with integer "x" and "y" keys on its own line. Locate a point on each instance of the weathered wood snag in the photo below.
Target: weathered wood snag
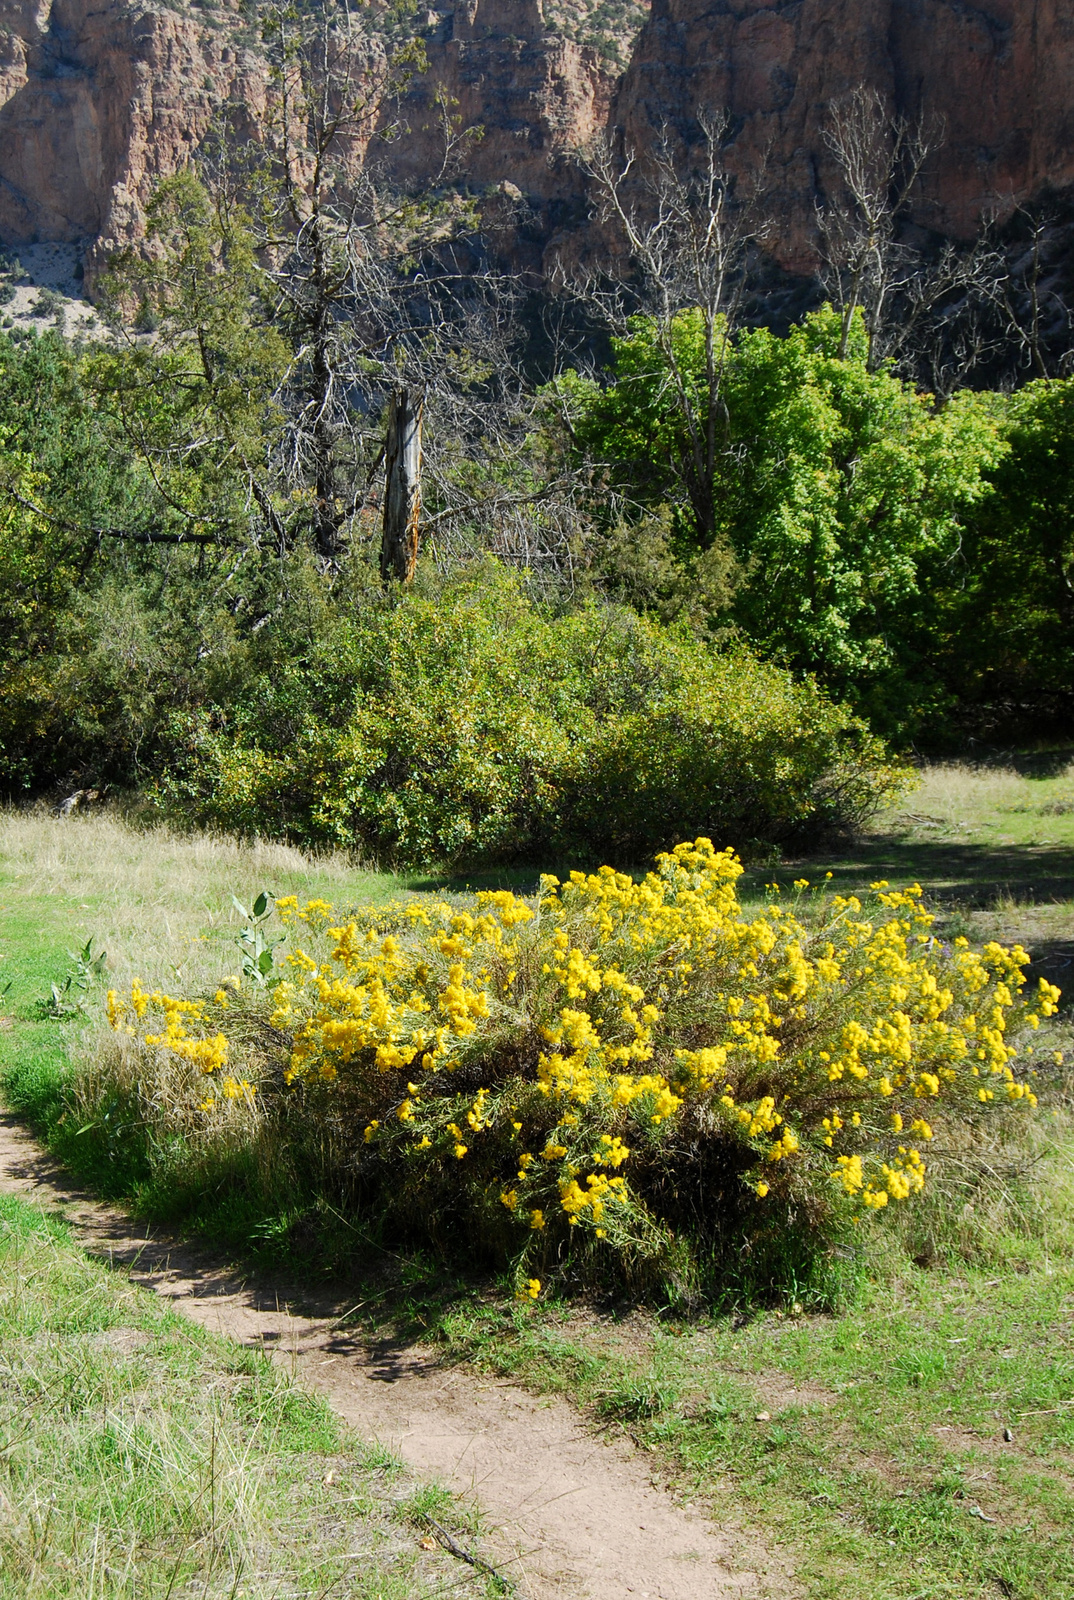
{"x": 402, "y": 497}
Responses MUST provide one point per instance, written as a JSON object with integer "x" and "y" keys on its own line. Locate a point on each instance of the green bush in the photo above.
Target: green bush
{"x": 840, "y": 495}
{"x": 473, "y": 725}
{"x": 1005, "y": 631}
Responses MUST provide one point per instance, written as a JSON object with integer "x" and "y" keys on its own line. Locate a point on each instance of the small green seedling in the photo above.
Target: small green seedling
{"x": 66, "y": 997}
{"x": 255, "y": 947}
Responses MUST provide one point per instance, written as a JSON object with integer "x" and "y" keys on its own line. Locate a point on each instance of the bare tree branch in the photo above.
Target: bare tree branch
{"x": 690, "y": 239}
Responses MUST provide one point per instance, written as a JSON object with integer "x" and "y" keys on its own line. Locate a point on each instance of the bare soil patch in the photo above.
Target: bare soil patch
{"x": 778, "y": 1392}
{"x": 571, "y": 1514}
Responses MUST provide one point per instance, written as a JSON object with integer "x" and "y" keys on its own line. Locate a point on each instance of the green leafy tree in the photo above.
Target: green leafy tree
{"x": 196, "y": 401}
{"x": 113, "y": 611}
{"x": 38, "y": 570}
{"x": 49, "y": 416}
{"x": 1008, "y": 621}
{"x": 836, "y": 489}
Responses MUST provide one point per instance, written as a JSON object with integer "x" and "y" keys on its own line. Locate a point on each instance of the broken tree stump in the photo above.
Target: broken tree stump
{"x": 402, "y": 496}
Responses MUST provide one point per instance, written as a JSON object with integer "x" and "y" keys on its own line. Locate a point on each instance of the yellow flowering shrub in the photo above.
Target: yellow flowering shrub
{"x": 628, "y": 1064}
{"x": 208, "y": 1052}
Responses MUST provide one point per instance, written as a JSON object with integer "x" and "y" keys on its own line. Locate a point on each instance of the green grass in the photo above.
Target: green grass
{"x": 160, "y": 904}
{"x": 143, "y": 1458}
{"x": 871, "y": 1444}
{"x": 882, "y": 1453}
{"x": 882, "y": 1463}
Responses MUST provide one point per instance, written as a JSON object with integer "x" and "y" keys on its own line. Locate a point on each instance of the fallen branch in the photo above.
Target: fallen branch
{"x": 454, "y": 1548}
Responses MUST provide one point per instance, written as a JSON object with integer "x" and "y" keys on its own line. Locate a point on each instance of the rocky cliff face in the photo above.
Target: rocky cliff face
{"x": 535, "y": 96}
{"x": 100, "y": 98}
{"x": 610, "y": 26}
{"x": 995, "y": 76}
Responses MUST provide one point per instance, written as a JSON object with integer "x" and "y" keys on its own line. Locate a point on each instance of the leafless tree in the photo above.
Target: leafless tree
{"x": 352, "y": 263}
{"x": 934, "y": 314}
{"x": 402, "y": 489}
{"x": 1035, "y": 318}
{"x": 688, "y": 232}
{"x": 376, "y": 291}
{"x": 880, "y": 158}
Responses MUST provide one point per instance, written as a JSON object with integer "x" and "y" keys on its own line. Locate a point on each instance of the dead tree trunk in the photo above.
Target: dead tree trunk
{"x": 402, "y": 498}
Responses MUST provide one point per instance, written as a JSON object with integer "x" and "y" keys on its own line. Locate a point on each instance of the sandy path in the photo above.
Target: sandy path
{"x": 570, "y": 1514}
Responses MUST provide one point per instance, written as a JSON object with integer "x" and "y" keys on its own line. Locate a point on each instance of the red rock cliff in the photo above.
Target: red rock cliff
{"x": 997, "y": 75}
{"x": 98, "y": 100}
{"x": 535, "y": 96}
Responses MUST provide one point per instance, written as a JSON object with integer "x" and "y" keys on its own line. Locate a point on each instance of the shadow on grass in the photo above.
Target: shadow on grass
{"x": 960, "y": 878}
{"x": 524, "y": 880}
{"x": 950, "y": 871}
{"x": 1044, "y": 763}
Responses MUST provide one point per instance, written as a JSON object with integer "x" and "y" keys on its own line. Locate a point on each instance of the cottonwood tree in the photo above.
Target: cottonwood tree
{"x": 687, "y": 238}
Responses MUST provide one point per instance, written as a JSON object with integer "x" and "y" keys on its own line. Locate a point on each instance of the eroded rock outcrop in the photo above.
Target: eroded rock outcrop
{"x": 996, "y": 76}
{"x": 98, "y": 100}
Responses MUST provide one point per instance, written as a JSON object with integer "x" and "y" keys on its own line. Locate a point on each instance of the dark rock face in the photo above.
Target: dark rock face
{"x": 1001, "y": 78}
{"x": 536, "y": 95}
{"x": 996, "y": 76}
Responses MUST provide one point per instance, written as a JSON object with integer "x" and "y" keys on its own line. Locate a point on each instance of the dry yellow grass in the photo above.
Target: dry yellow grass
{"x": 154, "y": 898}
{"x": 1000, "y": 804}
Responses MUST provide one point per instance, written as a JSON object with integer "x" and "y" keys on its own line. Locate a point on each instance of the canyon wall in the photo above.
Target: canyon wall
{"x": 992, "y": 79}
{"x": 100, "y": 98}
{"x": 533, "y": 97}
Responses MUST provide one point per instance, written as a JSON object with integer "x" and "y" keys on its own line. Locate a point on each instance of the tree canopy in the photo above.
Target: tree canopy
{"x": 839, "y": 492}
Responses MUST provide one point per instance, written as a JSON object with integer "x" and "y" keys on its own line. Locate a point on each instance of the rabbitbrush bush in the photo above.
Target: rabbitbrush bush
{"x": 474, "y": 725}
{"x": 619, "y": 1082}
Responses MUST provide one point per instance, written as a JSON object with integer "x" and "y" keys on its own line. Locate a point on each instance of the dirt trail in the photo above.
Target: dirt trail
{"x": 570, "y": 1515}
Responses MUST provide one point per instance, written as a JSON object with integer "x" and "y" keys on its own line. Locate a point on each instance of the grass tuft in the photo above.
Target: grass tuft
{"x": 141, "y": 1456}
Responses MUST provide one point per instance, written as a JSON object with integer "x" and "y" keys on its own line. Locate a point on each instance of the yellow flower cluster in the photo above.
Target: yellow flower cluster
{"x": 208, "y": 1052}
{"x": 567, "y": 1059}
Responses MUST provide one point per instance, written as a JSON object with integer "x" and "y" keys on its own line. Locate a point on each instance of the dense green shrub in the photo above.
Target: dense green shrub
{"x": 1004, "y": 627}
{"x": 101, "y": 632}
{"x": 476, "y": 725}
